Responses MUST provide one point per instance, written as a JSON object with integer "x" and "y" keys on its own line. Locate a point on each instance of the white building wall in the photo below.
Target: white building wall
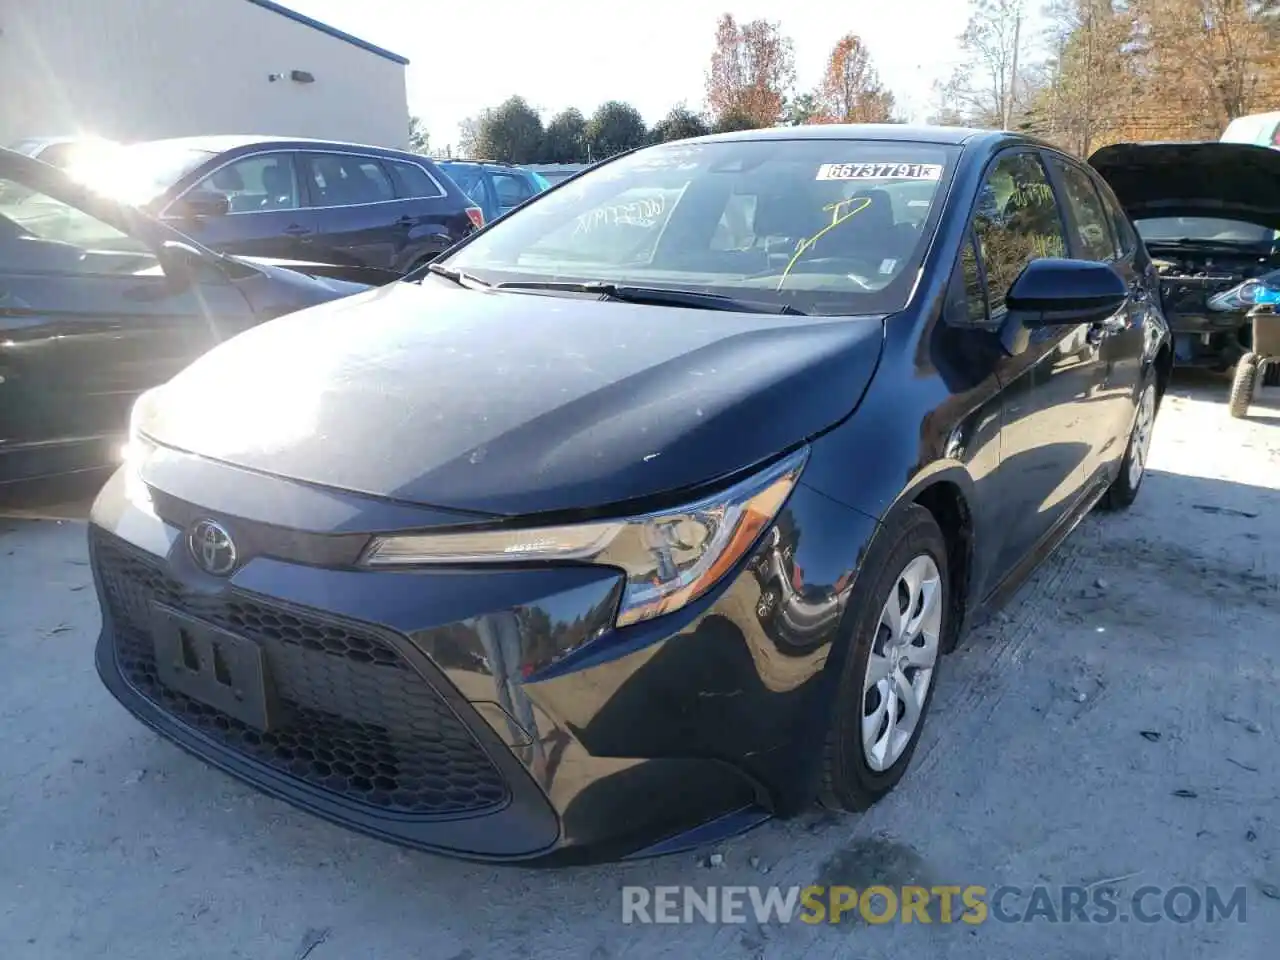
{"x": 145, "y": 69}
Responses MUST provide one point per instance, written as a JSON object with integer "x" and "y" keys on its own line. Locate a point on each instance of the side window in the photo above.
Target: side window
{"x": 512, "y": 190}
{"x": 411, "y": 180}
{"x": 42, "y": 234}
{"x": 1093, "y": 225}
{"x": 340, "y": 179}
{"x": 265, "y": 182}
{"x": 1016, "y": 221}
{"x": 1127, "y": 236}
{"x": 966, "y": 296}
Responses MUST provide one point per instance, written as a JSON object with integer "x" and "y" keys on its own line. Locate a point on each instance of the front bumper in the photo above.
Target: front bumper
{"x": 490, "y": 715}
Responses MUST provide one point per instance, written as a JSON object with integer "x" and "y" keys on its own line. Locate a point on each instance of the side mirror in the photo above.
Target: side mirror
{"x": 182, "y": 263}
{"x": 1053, "y": 292}
{"x": 202, "y": 203}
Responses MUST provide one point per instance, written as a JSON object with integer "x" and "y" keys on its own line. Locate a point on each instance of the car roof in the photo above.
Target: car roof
{"x": 861, "y": 131}
{"x": 496, "y": 164}
{"x": 221, "y": 143}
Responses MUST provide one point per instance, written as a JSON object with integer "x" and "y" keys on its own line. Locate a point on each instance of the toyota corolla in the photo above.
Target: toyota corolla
{"x": 649, "y": 511}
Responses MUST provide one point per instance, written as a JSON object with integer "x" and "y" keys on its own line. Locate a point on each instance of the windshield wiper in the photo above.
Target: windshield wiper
{"x": 440, "y": 270}
{"x": 658, "y": 296}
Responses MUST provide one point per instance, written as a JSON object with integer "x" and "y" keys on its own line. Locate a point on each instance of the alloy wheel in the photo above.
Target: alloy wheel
{"x": 1140, "y": 445}
{"x": 901, "y": 663}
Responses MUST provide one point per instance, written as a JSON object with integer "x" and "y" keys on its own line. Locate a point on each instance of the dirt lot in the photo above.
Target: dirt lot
{"x": 1117, "y": 726}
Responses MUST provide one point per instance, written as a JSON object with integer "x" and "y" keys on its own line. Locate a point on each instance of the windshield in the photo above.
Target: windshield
{"x": 469, "y": 179}
{"x": 1155, "y": 229}
{"x": 830, "y": 227}
{"x": 138, "y": 173}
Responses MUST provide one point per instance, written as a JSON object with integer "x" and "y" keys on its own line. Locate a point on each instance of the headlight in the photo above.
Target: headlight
{"x": 670, "y": 558}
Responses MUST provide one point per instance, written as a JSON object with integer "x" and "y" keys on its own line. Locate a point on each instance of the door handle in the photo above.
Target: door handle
{"x": 297, "y": 230}
{"x": 406, "y": 221}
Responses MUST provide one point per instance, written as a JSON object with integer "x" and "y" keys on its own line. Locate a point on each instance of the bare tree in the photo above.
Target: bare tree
{"x": 1089, "y": 83}
{"x": 752, "y": 72}
{"x": 986, "y": 88}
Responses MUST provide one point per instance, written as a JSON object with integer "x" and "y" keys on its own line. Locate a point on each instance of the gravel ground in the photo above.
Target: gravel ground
{"x": 1116, "y": 726}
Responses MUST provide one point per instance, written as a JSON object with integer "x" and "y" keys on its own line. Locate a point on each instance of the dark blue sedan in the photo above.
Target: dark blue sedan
{"x": 651, "y": 510}
{"x": 308, "y": 200}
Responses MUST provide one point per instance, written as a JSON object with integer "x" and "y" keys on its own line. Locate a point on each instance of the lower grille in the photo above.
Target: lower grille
{"x": 359, "y": 720}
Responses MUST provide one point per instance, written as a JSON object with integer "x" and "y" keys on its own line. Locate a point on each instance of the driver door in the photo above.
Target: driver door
{"x": 88, "y": 321}
{"x": 1049, "y": 434}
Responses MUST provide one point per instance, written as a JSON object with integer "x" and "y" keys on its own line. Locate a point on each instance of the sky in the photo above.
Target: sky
{"x": 652, "y": 54}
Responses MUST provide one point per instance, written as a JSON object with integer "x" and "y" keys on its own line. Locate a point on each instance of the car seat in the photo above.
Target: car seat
{"x": 278, "y": 186}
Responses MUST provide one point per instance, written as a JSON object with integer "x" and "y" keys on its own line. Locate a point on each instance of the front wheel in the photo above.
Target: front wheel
{"x": 900, "y": 611}
{"x": 1124, "y": 489}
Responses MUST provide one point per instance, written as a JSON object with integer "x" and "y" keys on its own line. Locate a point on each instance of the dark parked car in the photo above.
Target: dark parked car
{"x": 58, "y": 151}
{"x": 298, "y": 199}
{"x": 1209, "y": 214}
{"x": 99, "y": 302}
{"x": 485, "y": 578}
{"x": 498, "y": 187}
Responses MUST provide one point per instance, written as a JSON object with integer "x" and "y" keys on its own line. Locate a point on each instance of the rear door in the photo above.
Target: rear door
{"x": 88, "y": 321}
{"x": 1113, "y": 348}
{"x": 358, "y": 218}
{"x": 432, "y": 221}
{"x": 266, "y": 216}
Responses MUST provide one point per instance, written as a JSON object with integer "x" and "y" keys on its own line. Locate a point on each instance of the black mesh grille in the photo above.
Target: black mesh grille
{"x": 360, "y": 721}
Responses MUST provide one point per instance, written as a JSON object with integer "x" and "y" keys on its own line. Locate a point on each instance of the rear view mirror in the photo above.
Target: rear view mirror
{"x": 1051, "y": 291}
{"x": 203, "y": 203}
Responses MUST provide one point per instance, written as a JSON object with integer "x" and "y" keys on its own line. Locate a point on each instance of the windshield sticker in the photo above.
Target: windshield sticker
{"x": 637, "y": 213}
{"x": 880, "y": 171}
{"x": 886, "y": 266}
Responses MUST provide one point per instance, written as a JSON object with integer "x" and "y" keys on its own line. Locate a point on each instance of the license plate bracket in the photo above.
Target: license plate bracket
{"x": 216, "y": 667}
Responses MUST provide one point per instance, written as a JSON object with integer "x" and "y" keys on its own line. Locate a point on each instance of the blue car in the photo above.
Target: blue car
{"x": 496, "y": 187}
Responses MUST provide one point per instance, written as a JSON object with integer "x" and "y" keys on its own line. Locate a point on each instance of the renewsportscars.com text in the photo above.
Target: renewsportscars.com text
{"x": 937, "y": 904}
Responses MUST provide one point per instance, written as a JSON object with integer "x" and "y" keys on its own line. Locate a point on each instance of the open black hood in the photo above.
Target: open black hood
{"x": 1233, "y": 181}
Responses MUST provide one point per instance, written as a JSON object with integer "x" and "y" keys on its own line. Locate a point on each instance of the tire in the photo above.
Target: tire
{"x": 1242, "y": 386}
{"x": 1271, "y": 378}
{"x": 1133, "y": 468}
{"x": 853, "y": 777}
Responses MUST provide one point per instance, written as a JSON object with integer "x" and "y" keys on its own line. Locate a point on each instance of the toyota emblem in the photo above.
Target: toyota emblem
{"x": 212, "y": 547}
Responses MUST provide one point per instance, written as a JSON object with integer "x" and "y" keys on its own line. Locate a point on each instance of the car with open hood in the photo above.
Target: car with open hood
{"x": 1209, "y": 216}
{"x": 99, "y": 302}
{"x": 648, "y": 512}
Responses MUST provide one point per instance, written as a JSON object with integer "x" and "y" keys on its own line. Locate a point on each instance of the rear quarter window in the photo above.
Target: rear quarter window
{"x": 412, "y": 180}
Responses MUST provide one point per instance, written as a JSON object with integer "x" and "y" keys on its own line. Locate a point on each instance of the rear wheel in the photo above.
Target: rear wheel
{"x": 1242, "y": 386}
{"x": 900, "y": 616}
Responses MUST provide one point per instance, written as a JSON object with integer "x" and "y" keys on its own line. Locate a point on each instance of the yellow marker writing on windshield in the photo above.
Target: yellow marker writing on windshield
{"x": 837, "y": 218}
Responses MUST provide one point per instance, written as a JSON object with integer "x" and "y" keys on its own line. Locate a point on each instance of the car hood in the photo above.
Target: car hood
{"x": 344, "y": 273}
{"x": 506, "y": 403}
{"x": 1237, "y": 181}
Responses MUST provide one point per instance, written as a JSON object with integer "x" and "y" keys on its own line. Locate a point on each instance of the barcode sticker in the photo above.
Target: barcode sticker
{"x": 880, "y": 171}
